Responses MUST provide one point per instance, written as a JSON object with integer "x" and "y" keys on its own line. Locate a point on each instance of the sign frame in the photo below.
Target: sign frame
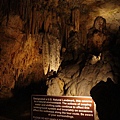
{"x": 70, "y": 100}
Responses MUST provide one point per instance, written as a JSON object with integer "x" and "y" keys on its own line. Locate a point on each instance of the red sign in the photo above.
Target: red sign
{"x": 45, "y": 107}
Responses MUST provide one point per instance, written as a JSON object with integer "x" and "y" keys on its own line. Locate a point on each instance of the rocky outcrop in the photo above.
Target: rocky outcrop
{"x": 56, "y": 87}
{"x": 80, "y": 80}
{"x": 93, "y": 65}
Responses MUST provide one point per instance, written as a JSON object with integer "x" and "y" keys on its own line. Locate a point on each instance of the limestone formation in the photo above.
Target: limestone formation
{"x": 98, "y": 36}
{"x": 70, "y": 45}
{"x": 51, "y": 53}
{"x": 33, "y": 34}
{"x": 54, "y": 53}
{"x": 55, "y": 87}
{"x": 45, "y": 54}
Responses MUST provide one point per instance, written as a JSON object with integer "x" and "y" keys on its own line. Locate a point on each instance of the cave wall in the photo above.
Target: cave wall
{"x": 20, "y": 57}
{"x": 30, "y": 28}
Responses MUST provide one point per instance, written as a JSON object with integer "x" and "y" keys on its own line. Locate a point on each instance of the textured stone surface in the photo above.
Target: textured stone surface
{"x": 76, "y": 83}
{"x": 55, "y": 87}
{"x": 20, "y": 60}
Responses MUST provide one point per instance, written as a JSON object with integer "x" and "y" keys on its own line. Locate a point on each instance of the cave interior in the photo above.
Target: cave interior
{"x": 55, "y": 47}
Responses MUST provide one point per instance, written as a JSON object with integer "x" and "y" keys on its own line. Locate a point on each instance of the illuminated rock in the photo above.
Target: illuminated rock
{"x": 20, "y": 58}
{"x": 45, "y": 54}
{"x": 90, "y": 75}
{"x": 54, "y": 53}
{"x": 51, "y": 54}
{"x": 55, "y": 87}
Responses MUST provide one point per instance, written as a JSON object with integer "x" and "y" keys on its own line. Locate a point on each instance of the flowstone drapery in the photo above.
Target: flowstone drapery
{"x": 51, "y": 53}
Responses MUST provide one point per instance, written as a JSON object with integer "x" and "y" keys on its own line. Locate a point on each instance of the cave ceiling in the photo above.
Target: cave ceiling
{"x": 109, "y": 9}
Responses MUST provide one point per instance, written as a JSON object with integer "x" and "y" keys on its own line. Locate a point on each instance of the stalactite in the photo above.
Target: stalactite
{"x": 39, "y": 38}
{"x": 36, "y": 23}
{"x": 33, "y": 20}
{"x": 45, "y": 54}
{"x": 28, "y": 17}
{"x": 47, "y": 20}
{"x": 60, "y": 29}
{"x": 63, "y": 32}
{"x": 68, "y": 29}
{"x": 67, "y": 35}
{"x": 41, "y": 22}
{"x": 52, "y": 53}
{"x": 76, "y": 19}
{"x": 84, "y": 32}
{"x": 57, "y": 60}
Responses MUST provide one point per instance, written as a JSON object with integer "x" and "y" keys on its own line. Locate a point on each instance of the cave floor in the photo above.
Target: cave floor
{"x": 19, "y": 106}
{"x": 16, "y": 108}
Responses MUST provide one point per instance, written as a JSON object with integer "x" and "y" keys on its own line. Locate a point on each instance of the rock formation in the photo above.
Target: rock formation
{"x": 39, "y": 37}
{"x": 71, "y": 45}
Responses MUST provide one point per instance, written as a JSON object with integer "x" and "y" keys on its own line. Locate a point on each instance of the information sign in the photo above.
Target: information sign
{"x": 45, "y": 107}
